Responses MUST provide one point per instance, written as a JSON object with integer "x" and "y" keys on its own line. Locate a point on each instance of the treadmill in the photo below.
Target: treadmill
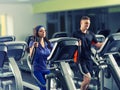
{"x": 12, "y": 52}
{"x": 109, "y": 63}
{"x": 61, "y": 60}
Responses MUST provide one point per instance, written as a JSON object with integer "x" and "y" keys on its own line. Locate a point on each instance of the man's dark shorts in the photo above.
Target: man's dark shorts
{"x": 87, "y": 66}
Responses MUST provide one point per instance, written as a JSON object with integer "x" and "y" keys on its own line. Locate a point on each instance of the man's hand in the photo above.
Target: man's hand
{"x": 79, "y": 43}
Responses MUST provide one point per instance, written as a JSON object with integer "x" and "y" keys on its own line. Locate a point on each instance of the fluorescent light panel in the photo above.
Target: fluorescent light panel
{"x": 23, "y": 0}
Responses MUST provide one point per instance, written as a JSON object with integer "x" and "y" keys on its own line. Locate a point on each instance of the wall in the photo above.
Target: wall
{"x": 64, "y": 5}
{"x": 23, "y": 18}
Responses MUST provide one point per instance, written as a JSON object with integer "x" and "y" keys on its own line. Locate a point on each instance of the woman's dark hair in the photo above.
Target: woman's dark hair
{"x": 45, "y": 38}
{"x": 48, "y": 42}
{"x": 37, "y": 29}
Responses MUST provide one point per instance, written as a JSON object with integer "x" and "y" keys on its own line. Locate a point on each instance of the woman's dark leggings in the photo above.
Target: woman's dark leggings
{"x": 40, "y": 75}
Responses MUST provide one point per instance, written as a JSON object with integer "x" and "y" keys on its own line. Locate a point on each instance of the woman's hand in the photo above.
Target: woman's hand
{"x": 35, "y": 44}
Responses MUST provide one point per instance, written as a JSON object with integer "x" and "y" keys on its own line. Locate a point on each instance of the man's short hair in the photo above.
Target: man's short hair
{"x": 85, "y": 18}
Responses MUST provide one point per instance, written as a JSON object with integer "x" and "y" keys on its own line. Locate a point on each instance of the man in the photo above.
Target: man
{"x": 87, "y": 38}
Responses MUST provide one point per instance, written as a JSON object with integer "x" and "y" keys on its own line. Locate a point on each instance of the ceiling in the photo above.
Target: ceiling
{"x": 20, "y": 1}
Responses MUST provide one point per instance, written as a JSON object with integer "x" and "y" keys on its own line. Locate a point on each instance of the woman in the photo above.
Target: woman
{"x": 42, "y": 50}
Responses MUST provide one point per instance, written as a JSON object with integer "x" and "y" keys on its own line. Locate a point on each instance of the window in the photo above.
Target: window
{"x": 2, "y": 25}
{"x": 6, "y": 25}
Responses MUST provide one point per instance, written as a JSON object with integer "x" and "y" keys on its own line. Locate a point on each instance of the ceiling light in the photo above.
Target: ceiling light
{"x": 23, "y": 0}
